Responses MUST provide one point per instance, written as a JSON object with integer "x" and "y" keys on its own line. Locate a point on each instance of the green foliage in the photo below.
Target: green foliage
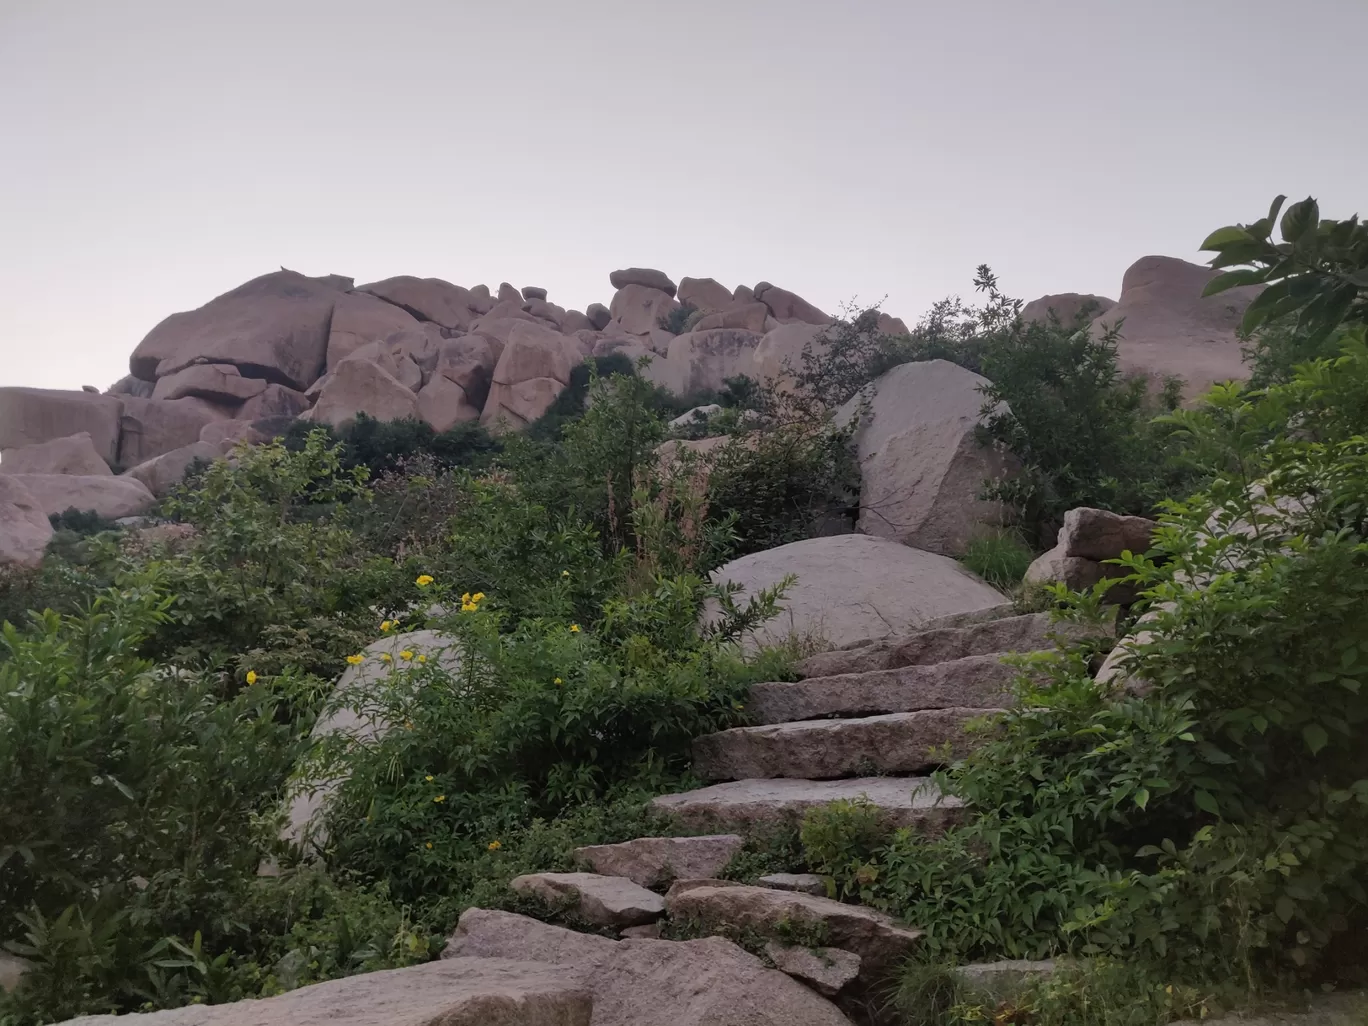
{"x": 381, "y": 446}
{"x": 81, "y": 522}
{"x": 680, "y": 319}
{"x": 1000, "y": 557}
{"x": 839, "y": 841}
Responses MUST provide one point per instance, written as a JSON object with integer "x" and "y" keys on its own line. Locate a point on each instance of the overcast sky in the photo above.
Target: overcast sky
{"x": 156, "y": 153}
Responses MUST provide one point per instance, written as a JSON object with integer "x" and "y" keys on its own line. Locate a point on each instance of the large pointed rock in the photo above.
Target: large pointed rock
{"x": 273, "y": 327}
{"x": 853, "y": 587}
{"x": 110, "y": 497}
{"x": 922, "y": 469}
{"x": 74, "y": 454}
{"x": 24, "y": 528}
{"x": 29, "y": 416}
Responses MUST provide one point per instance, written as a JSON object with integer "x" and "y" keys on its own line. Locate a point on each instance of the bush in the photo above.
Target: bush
{"x": 1000, "y": 557}
{"x": 384, "y": 446}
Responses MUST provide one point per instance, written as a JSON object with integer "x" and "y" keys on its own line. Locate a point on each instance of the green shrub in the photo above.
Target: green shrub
{"x": 1000, "y": 557}
{"x": 680, "y": 319}
{"x": 381, "y": 446}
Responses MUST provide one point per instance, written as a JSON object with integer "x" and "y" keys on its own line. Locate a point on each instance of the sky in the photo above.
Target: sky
{"x": 157, "y": 153}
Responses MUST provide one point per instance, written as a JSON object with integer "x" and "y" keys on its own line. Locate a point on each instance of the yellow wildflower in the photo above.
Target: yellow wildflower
{"x": 385, "y": 657}
{"x": 356, "y": 659}
{"x": 565, "y": 573}
{"x": 465, "y": 598}
{"x": 387, "y": 625}
{"x": 440, "y": 798}
{"x": 428, "y": 845}
{"x": 469, "y": 607}
{"x": 405, "y": 654}
{"x": 423, "y": 580}
{"x": 477, "y": 597}
{"x": 574, "y": 628}
{"x": 495, "y": 845}
{"x": 559, "y": 681}
{"x": 251, "y": 677}
{"x": 428, "y": 778}
{"x": 422, "y": 658}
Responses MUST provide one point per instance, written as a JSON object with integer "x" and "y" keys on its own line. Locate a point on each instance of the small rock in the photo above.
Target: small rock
{"x": 651, "y": 931}
{"x": 11, "y": 968}
{"x": 826, "y": 970}
{"x": 599, "y": 316}
{"x": 1098, "y": 534}
{"x": 601, "y": 900}
{"x": 657, "y": 861}
{"x": 806, "y": 883}
{"x": 533, "y": 292}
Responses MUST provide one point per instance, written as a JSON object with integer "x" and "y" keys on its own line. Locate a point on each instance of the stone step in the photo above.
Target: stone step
{"x": 1026, "y": 633}
{"x": 827, "y": 749}
{"x": 979, "y": 682}
{"x": 760, "y": 805}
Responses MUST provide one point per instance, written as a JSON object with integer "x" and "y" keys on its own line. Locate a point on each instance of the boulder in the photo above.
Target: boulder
{"x": 29, "y": 416}
{"x": 217, "y": 382}
{"x": 645, "y": 277}
{"x": 1099, "y": 534}
{"x": 599, "y": 316}
{"x": 636, "y": 309}
{"x": 826, "y": 970}
{"x": 745, "y": 316}
{"x": 852, "y": 587}
{"x": 804, "y": 883}
{"x": 359, "y": 318}
{"x": 922, "y": 469}
{"x": 532, "y": 370}
{"x": 392, "y": 359}
{"x": 888, "y": 325}
{"x": 601, "y": 900}
{"x": 708, "y": 982}
{"x": 706, "y": 359}
{"x": 72, "y": 455}
{"x": 443, "y": 404}
{"x": 452, "y": 992}
{"x": 788, "y": 308}
{"x": 780, "y": 352}
{"x": 129, "y": 385}
{"x": 427, "y": 299}
{"x": 743, "y": 294}
{"x": 692, "y": 418}
{"x": 309, "y": 790}
{"x": 704, "y": 294}
{"x": 533, "y": 292}
{"x": 110, "y": 497}
{"x": 150, "y": 427}
{"x": 659, "y": 861}
{"x": 509, "y": 294}
{"x": 24, "y": 526}
{"x": 1068, "y": 308}
{"x": 512, "y": 407}
{"x": 162, "y": 473}
{"x": 873, "y": 936}
{"x": 274, "y": 401}
{"x": 574, "y": 322}
{"x": 1078, "y": 573}
{"x": 273, "y": 327}
{"x": 1170, "y": 330}
{"x": 225, "y": 434}
{"x": 360, "y": 386}
{"x": 468, "y": 361}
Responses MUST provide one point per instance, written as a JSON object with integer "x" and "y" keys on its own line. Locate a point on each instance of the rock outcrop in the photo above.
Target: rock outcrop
{"x": 24, "y": 527}
{"x": 110, "y": 497}
{"x": 1087, "y": 540}
{"x": 74, "y": 454}
{"x": 1068, "y": 308}
{"x": 29, "y": 416}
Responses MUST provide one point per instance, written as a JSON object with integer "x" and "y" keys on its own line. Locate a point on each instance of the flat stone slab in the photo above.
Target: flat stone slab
{"x": 601, "y": 900}
{"x": 977, "y": 681}
{"x": 807, "y": 883}
{"x": 826, "y": 970}
{"x": 873, "y": 936}
{"x": 909, "y": 742}
{"x": 659, "y": 861}
{"x": 763, "y": 804}
{"x": 999, "y": 980}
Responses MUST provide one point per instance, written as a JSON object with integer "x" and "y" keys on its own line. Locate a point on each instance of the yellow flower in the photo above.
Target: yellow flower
{"x": 469, "y": 607}
{"x": 422, "y": 658}
{"x": 251, "y": 677}
{"x": 428, "y": 778}
{"x": 387, "y": 625}
{"x": 408, "y": 724}
{"x": 356, "y": 659}
{"x": 465, "y": 598}
{"x": 477, "y": 597}
{"x": 428, "y": 845}
{"x": 423, "y": 580}
{"x": 405, "y": 654}
{"x": 440, "y": 798}
{"x": 565, "y": 573}
{"x": 495, "y": 845}
{"x": 574, "y": 628}
{"x": 559, "y": 681}
{"x": 385, "y": 657}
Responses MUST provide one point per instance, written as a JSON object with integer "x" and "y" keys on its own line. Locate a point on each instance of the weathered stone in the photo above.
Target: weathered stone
{"x": 274, "y": 401}
{"x": 637, "y": 309}
{"x": 162, "y": 473}
{"x": 443, "y": 404}
{"x": 427, "y": 299}
{"x": 826, "y": 970}
{"x": 1098, "y": 534}
{"x": 788, "y": 308}
{"x": 360, "y": 318}
{"x": 532, "y": 352}
{"x": 452, "y": 992}
{"x": 873, "y": 936}
{"x": 273, "y": 327}
{"x": 533, "y": 292}
{"x": 645, "y": 277}
{"x": 217, "y": 382}
{"x": 704, "y": 294}
{"x": 709, "y": 982}
{"x": 574, "y": 322}
{"x": 1000, "y": 979}
{"x": 657, "y": 861}
{"x": 910, "y": 742}
{"x": 977, "y": 682}
{"x": 24, "y": 530}
{"x": 129, "y": 385}
{"x": 513, "y": 407}
{"x": 225, "y": 434}
{"x": 468, "y": 361}
{"x": 601, "y": 900}
{"x": 805, "y": 883}
{"x": 509, "y": 294}
{"x": 110, "y": 497}
{"x": 649, "y": 931}
{"x": 29, "y": 416}
{"x": 743, "y": 316}
{"x": 150, "y": 427}
{"x": 748, "y": 805}
{"x": 853, "y": 587}
{"x": 698, "y": 415}
{"x": 888, "y": 325}
{"x": 72, "y": 455}
{"x": 599, "y": 316}
{"x": 360, "y": 386}
{"x": 706, "y": 359}
{"x": 922, "y": 468}
{"x": 780, "y": 352}
{"x": 1053, "y": 567}
{"x": 1069, "y": 308}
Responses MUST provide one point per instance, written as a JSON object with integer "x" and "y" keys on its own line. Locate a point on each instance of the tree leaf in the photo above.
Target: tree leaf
{"x": 1142, "y": 797}
{"x": 1315, "y": 736}
{"x": 1223, "y": 237}
{"x": 1300, "y": 218}
{"x": 1206, "y": 802}
{"x": 1233, "y": 279}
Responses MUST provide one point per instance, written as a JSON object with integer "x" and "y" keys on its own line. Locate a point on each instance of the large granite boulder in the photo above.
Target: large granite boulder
{"x": 217, "y": 382}
{"x": 150, "y": 427}
{"x": 273, "y": 327}
{"x": 72, "y": 455}
{"x": 1067, "y": 308}
{"x": 922, "y": 468}
{"x": 705, "y": 294}
{"x": 359, "y": 318}
{"x": 459, "y": 385}
{"x": 129, "y": 385}
{"x": 427, "y": 299}
{"x": 644, "y": 276}
{"x": 706, "y": 359}
{"x": 852, "y": 587}
{"x": 110, "y": 497}
{"x": 1170, "y": 330}
{"x": 745, "y": 316}
{"x": 636, "y": 309}
{"x": 362, "y": 386}
{"x": 274, "y": 401}
{"x": 780, "y": 352}
{"x": 162, "y": 473}
{"x": 532, "y": 371}
{"x": 787, "y": 307}
{"x": 24, "y": 527}
{"x": 32, "y": 415}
